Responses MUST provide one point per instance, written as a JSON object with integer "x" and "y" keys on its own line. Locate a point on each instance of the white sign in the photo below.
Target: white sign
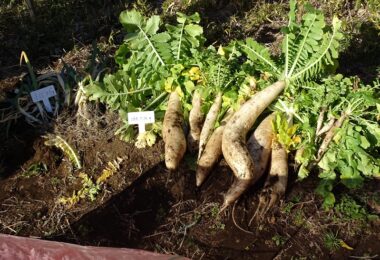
{"x": 141, "y": 118}
{"x": 43, "y": 94}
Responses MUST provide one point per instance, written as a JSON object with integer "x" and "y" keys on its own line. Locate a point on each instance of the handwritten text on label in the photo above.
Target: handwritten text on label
{"x": 141, "y": 118}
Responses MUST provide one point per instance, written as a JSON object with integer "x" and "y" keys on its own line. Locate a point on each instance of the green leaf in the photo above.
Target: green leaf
{"x": 131, "y": 20}
{"x": 194, "y": 30}
{"x": 260, "y": 55}
{"x": 364, "y": 142}
{"x": 152, "y": 25}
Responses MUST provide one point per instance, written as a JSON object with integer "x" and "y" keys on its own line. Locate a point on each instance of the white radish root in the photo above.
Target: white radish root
{"x": 329, "y": 136}
{"x": 320, "y": 120}
{"x": 259, "y": 147}
{"x": 195, "y": 120}
{"x": 326, "y": 127}
{"x": 172, "y": 132}
{"x": 209, "y": 123}
{"x": 275, "y": 185}
{"x": 234, "y": 139}
{"x": 212, "y": 152}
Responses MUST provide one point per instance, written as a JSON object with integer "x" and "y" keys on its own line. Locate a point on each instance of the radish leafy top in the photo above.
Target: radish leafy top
{"x": 309, "y": 47}
{"x": 353, "y": 152}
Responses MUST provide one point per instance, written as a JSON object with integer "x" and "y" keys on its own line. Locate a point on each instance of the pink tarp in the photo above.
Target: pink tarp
{"x": 20, "y": 248}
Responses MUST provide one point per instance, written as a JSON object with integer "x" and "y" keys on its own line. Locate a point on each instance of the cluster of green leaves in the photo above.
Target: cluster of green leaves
{"x": 35, "y": 170}
{"x": 89, "y": 190}
{"x": 309, "y": 52}
{"x": 145, "y": 60}
{"x": 349, "y": 210}
{"x": 155, "y": 60}
{"x": 352, "y": 155}
{"x": 309, "y": 48}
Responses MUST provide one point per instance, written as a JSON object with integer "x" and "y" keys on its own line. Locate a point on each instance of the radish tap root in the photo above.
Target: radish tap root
{"x": 234, "y": 140}
{"x": 195, "y": 120}
{"x": 209, "y": 123}
{"x": 212, "y": 152}
{"x": 172, "y": 132}
{"x": 275, "y": 185}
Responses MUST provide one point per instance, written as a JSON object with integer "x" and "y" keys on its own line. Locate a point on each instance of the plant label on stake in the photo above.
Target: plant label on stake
{"x": 140, "y": 119}
{"x": 43, "y": 94}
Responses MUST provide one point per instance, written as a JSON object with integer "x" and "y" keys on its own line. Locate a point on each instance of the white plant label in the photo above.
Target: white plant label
{"x": 43, "y": 94}
{"x": 141, "y": 119}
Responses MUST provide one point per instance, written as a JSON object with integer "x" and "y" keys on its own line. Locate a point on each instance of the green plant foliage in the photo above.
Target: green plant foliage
{"x": 331, "y": 241}
{"x": 89, "y": 190}
{"x": 309, "y": 48}
{"x": 279, "y": 240}
{"x": 155, "y": 60}
{"x": 147, "y": 58}
{"x": 352, "y": 155}
{"x": 349, "y": 210}
{"x": 35, "y": 170}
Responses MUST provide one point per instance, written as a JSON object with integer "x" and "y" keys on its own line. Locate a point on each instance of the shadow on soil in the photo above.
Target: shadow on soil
{"x": 16, "y": 148}
{"x": 127, "y": 217}
{"x": 362, "y": 57}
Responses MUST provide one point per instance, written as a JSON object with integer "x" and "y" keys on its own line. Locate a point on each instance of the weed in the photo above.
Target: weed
{"x": 289, "y": 206}
{"x": 89, "y": 190}
{"x": 35, "y": 170}
{"x": 217, "y": 223}
{"x": 111, "y": 169}
{"x": 331, "y": 241}
{"x": 215, "y": 211}
{"x": 55, "y": 181}
{"x": 299, "y": 218}
{"x": 349, "y": 210}
{"x": 279, "y": 240}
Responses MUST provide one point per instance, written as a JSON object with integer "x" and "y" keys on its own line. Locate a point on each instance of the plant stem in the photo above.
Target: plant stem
{"x": 156, "y": 100}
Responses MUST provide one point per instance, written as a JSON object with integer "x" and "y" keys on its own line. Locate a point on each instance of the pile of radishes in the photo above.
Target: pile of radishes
{"x": 305, "y": 57}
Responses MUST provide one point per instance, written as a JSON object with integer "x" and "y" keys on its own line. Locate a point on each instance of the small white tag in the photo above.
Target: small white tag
{"x": 141, "y": 118}
{"x": 43, "y": 94}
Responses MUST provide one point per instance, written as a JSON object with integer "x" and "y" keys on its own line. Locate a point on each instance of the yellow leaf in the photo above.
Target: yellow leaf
{"x": 24, "y": 56}
{"x": 292, "y": 130}
{"x": 180, "y": 92}
{"x": 221, "y": 51}
{"x": 195, "y": 73}
{"x": 252, "y": 82}
{"x": 169, "y": 84}
{"x": 297, "y": 139}
{"x": 344, "y": 245}
{"x": 265, "y": 76}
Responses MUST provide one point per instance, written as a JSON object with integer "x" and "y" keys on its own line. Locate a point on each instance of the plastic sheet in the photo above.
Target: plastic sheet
{"x": 20, "y": 248}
